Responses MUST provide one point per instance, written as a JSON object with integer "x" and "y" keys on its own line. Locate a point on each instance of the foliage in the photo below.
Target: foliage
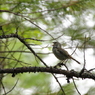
{"x": 39, "y": 23}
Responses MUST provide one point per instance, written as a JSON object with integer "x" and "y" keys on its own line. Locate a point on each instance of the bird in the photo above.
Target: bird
{"x": 61, "y": 53}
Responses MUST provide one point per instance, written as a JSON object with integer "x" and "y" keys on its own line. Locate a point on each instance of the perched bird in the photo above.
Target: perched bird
{"x": 60, "y": 53}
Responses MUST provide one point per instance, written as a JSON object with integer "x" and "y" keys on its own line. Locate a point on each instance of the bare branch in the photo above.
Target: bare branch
{"x": 68, "y": 74}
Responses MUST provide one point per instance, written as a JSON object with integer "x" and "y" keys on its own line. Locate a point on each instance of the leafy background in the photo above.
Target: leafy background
{"x": 39, "y": 23}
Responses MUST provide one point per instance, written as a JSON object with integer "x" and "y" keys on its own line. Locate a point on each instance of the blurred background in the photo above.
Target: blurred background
{"x": 39, "y": 23}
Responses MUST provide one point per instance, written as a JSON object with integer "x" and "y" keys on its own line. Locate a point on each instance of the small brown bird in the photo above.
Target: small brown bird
{"x": 60, "y": 53}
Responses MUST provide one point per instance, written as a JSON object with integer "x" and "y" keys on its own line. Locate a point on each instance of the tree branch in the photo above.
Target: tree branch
{"x": 67, "y": 73}
{"x": 36, "y": 55}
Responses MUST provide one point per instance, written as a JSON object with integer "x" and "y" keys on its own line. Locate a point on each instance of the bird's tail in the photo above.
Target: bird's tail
{"x": 76, "y": 60}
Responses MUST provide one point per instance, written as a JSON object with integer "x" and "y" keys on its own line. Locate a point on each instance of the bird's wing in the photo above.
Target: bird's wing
{"x": 64, "y": 53}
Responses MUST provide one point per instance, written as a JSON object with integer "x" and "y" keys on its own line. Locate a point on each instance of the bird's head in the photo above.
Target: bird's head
{"x": 56, "y": 44}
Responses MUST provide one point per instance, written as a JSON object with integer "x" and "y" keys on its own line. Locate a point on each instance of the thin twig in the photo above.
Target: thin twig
{"x": 39, "y": 27}
{"x": 3, "y": 87}
{"x": 76, "y": 86}
{"x": 75, "y": 49}
{"x": 11, "y": 88}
